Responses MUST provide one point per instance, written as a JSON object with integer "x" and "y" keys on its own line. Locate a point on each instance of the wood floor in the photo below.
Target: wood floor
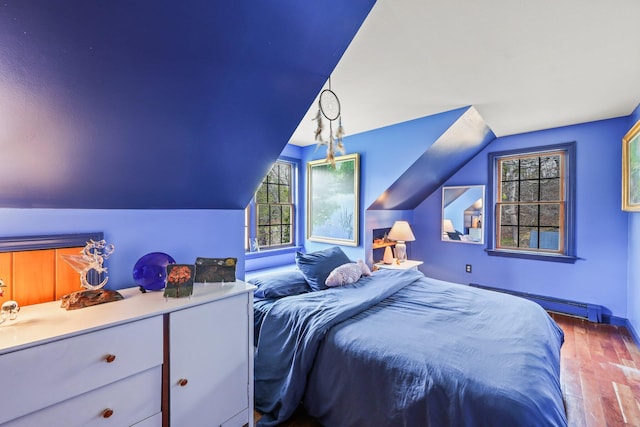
{"x": 600, "y": 376}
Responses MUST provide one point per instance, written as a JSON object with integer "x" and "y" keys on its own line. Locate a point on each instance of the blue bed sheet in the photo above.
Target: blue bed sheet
{"x": 402, "y": 349}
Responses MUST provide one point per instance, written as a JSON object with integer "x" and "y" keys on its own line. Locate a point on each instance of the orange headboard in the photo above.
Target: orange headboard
{"x": 33, "y": 270}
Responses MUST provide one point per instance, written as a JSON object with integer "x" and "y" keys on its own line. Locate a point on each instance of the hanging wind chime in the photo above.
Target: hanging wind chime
{"x": 329, "y": 107}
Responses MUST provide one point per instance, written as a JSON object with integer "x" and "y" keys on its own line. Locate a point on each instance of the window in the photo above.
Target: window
{"x": 270, "y": 216}
{"x": 534, "y": 203}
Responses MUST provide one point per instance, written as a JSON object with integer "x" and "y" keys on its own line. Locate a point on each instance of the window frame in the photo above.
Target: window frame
{"x": 567, "y": 254}
{"x": 251, "y": 212}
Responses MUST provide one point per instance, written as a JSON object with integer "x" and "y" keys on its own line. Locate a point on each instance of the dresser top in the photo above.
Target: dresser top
{"x": 42, "y": 323}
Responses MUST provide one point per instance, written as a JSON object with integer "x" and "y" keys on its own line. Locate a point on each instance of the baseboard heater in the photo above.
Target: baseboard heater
{"x": 592, "y": 312}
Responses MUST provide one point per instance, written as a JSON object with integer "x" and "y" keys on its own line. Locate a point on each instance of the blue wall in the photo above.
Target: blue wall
{"x": 600, "y": 276}
{"x": 633, "y": 285}
{"x": 183, "y": 234}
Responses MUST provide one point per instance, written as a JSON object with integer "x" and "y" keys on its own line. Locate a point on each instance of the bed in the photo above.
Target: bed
{"x": 400, "y": 349}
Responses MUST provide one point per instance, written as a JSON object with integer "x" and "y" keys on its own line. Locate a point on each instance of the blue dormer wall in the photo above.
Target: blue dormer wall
{"x": 599, "y": 276}
{"x": 633, "y": 285}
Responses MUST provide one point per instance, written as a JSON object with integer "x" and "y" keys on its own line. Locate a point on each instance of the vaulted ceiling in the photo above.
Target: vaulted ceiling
{"x": 524, "y": 66}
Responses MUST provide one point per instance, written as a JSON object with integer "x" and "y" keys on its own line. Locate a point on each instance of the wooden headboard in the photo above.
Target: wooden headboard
{"x": 33, "y": 270}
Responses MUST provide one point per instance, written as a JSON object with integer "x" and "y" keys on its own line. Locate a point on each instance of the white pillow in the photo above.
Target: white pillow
{"x": 347, "y": 273}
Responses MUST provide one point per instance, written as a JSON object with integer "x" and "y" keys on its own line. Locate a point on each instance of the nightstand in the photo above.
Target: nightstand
{"x": 407, "y": 265}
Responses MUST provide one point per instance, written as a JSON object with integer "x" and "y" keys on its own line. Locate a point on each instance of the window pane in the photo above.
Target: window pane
{"x": 529, "y": 168}
{"x": 272, "y": 177}
{"x": 263, "y": 214}
{"x": 263, "y": 236}
{"x": 529, "y": 191}
{"x": 274, "y": 196}
{"x": 528, "y": 215}
{"x": 261, "y": 194}
{"x": 550, "y": 239}
{"x": 276, "y": 214}
{"x": 509, "y": 214}
{"x": 509, "y": 170}
{"x": 284, "y": 194}
{"x": 550, "y": 166}
{"x": 284, "y": 174}
{"x": 525, "y": 237}
{"x": 286, "y": 214}
{"x": 510, "y": 192}
{"x": 550, "y": 215}
{"x": 508, "y": 237}
{"x": 550, "y": 189}
{"x": 276, "y": 237}
{"x": 286, "y": 234}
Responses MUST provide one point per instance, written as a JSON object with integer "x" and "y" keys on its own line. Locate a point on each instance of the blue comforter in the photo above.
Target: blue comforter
{"x": 398, "y": 348}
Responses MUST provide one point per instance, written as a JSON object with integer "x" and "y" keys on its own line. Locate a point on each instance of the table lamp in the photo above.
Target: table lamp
{"x": 401, "y": 232}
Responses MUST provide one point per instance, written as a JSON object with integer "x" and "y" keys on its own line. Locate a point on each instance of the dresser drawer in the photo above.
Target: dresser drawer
{"x": 44, "y": 375}
{"x": 154, "y": 421}
{"x": 126, "y": 402}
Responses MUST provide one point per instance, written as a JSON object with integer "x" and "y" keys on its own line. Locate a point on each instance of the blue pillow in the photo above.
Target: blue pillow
{"x": 316, "y": 266}
{"x": 278, "y": 285}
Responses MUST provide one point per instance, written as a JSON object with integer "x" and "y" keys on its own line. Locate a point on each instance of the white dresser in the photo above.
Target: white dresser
{"x": 143, "y": 361}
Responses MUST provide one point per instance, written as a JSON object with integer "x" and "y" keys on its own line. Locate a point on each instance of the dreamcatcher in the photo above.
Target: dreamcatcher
{"x": 329, "y": 107}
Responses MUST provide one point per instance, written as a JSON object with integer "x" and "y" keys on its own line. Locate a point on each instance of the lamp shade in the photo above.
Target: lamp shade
{"x": 447, "y": 226}
{"x": 401, "y": 231}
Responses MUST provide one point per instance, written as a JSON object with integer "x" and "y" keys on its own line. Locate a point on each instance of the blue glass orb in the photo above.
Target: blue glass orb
{"x": 150, "y": 271}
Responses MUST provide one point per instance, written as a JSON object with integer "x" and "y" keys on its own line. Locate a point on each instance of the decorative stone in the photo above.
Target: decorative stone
{"x": 82, "y": 299}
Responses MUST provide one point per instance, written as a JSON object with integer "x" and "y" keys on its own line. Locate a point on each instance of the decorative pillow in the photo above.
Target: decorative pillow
{"x": 348, "y": 273}
{"x": 278, "y": 285}
{"x": 316, "y": 266}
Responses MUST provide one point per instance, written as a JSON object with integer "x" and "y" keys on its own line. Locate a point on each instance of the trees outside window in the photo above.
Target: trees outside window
{"x": 534, "y": 201}
{"x": 270, "y": 216}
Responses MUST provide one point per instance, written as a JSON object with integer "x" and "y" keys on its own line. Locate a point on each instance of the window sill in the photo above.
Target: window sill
{"x": 533, "y": 256}
{"x": 272, "y": 252}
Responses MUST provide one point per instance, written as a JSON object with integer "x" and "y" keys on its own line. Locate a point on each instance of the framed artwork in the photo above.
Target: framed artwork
{"x": 211, "y": 270}
{"x": 179, "y": 280}
{"x": 333, "y": 200}
{"x": 631, "y": 169}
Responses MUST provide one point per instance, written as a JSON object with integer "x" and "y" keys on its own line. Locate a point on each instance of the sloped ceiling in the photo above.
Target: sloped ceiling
{"x": 465, "y": 138}
{"x": 525, "y": 65}
{"x": 141, "y": 104}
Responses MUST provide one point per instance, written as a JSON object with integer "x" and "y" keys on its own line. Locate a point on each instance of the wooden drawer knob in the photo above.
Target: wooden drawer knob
{"x": 110, "y": 358}
{"x": 107, "y": 413}
{"x": 182, "y": 382}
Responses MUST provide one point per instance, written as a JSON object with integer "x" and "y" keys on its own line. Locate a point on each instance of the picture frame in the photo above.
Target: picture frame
{"x": 215, "y": 270}
{"x": 333, "y": 200}
{"x": 631, "y": 169}
{"x": 179, "y": 280}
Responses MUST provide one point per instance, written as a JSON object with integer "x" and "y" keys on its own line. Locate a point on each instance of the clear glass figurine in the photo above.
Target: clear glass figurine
{"x": 90, "y": 261}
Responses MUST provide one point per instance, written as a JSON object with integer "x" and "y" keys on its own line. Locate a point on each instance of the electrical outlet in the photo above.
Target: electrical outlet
{"x": 468, "y": 268}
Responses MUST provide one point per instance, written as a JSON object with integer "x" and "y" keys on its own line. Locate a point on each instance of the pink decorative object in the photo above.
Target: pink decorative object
{"x": 347, "y": 273}
{"x": 388, "y": 255}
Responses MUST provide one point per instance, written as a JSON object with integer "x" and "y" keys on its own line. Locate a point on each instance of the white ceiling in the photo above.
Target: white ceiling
{"x": 524, "y": 65}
